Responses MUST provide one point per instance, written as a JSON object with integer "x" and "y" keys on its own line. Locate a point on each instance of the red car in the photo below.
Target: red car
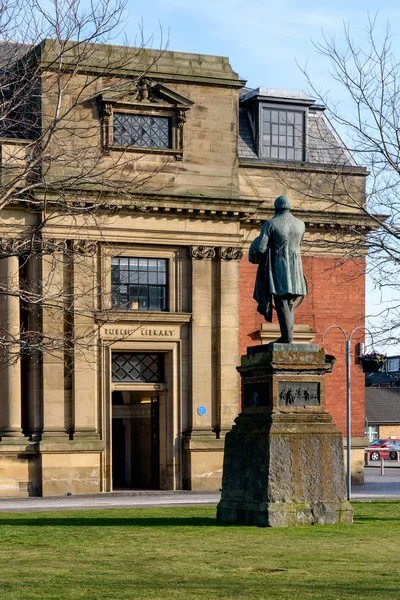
{"x": 393, "y": 443}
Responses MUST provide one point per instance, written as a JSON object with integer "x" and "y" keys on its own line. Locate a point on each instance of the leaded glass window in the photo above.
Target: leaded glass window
{"x": 132, "y": 366}
{"x": 141, "y": 130}
{"x": 139, "y": 283}
{"x": 282, "y": 134}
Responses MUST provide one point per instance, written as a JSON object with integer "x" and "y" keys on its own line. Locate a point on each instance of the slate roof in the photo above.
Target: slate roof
{"x": 246, "y": 142}
{"x": 382, "y": 405}
{"x": 11, "y": 51}
{"x": 324, "y": 145}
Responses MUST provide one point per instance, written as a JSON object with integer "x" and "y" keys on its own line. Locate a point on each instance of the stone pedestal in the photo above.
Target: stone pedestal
{"x": 283, "y": 461}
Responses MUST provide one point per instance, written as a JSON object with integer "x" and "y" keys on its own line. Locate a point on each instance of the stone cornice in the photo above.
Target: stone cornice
{"x": 126, "y": 62}
{"x": 193, "y": 206}
{"x": 250, "y": 212}
{"x": 141, "y": 318}
{"x": 320, "y": 219}
{"x": 257, "y": 163}
{"x": 17, "y": 141}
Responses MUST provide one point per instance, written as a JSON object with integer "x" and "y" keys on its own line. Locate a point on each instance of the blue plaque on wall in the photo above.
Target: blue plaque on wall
{"x": 202, "y": 410}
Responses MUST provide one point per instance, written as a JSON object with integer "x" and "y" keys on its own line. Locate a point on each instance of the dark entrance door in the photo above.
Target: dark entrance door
{"x": 135, "y": 441}
{"x": 155, "y": 443}
{"x": 118, "y": 450}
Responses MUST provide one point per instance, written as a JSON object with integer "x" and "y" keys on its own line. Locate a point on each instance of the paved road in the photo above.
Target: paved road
{"x": 376, "y": 487}
{"x": 110, "y": 500}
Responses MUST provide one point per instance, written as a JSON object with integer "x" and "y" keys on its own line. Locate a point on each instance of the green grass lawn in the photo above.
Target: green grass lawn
{"x": 184, "y": 554}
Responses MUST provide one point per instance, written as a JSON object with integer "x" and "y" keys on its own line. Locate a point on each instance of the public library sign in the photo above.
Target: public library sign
{"x": 140, "y": 332}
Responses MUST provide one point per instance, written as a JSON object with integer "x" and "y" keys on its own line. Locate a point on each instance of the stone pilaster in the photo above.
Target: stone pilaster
{"x": 202, "y": 338}
{"x": 10, "y": 395}
{"x": 228, "y": 351}
{"x": 84, "y": 382}
{"x": 202, "y": 450}
{"x": 55, "y": 373}
{"x": 34, "y": 410}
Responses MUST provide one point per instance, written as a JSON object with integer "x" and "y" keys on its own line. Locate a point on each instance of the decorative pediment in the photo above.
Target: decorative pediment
{"x": 145, "y": 93}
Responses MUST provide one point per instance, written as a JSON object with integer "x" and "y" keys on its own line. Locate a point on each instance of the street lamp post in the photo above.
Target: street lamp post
{"x": 348, "y": 396}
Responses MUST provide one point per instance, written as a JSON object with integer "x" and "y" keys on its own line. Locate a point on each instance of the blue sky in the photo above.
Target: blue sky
{"x": 264, "y": 39}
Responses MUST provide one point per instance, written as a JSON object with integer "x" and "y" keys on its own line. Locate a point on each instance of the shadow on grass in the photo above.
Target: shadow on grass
{"x": 386, "y": 510}
{"x": 375, "y": 519}
{"x": 110, "y": 522}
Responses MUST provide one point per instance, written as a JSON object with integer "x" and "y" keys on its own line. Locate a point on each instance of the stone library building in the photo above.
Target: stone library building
{"x": 134, "y": 183}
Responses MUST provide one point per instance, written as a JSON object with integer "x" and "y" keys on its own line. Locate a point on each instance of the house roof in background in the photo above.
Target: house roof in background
{"x": 382, "y": 377}
{"x": 382, "y": 405}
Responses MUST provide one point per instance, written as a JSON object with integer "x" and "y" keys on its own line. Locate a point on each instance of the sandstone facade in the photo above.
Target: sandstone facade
{"x": 71, "y": 420}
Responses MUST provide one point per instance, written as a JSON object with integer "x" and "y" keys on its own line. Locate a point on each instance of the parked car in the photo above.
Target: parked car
{"x": 390, "y": 443}
{"x": 393, "y": 455}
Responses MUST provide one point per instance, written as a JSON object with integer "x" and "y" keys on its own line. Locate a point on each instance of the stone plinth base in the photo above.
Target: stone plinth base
{"x": 283, "y": 461}
{"x": 285, "y": 514}
{"x": 19, "y": 470}
{"x": 282, "y": 470}
{"x": 203, "y": 456}
{"x": 49, "y": 468}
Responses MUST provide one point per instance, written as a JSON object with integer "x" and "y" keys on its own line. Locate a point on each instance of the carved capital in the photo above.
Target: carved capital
{"x": 35, "y": 245}
{"x": 49, "y": 246}
{"x": 39, "y": 246}
{"x": 84, "y": 246}
{"x": 107, "y": 109}
{"x": 181, "y": 119}
{"x": 231, "y": 253}
{"x": 11, "y": 246}
{"x": 201, "y": 252}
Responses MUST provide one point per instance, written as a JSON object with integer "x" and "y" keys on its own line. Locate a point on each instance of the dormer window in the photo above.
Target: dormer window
{"x": 148, "y": 119}
{"x": 282, "y": 134}
{"x": 284, "y": 127}
{"x": 275, "y": 121}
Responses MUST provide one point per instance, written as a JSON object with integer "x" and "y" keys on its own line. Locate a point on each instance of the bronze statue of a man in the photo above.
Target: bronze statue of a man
{"x": 280, "y": 272}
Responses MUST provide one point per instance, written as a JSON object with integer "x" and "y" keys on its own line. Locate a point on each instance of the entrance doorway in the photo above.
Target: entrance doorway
{"x": 135, "y": 440}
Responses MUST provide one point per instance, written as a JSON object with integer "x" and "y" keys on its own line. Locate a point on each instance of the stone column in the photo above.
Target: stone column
{"x": 34, "y": 364}
{"x": 10, "y": 395}
{"x": 228, "y": 351}
{"x": 84, "y": 382}
{"x": 202, "y": 338}
{"x": 55, "y": 378}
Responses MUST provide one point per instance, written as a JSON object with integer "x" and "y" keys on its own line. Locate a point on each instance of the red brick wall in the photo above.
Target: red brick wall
{"x": 336, "y": 297}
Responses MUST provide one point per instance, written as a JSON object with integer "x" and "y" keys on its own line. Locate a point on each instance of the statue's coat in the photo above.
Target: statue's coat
{"x": 277, "y": 252}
